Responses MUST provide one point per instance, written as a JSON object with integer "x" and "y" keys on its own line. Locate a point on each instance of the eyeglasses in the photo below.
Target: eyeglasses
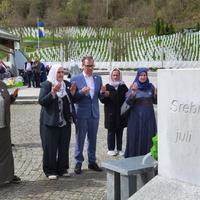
{"x": 89, "y": 65}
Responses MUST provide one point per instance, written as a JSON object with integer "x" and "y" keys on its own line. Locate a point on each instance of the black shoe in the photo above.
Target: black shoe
{"x": 12, "y": 145}
{"x": 64, "y": 174}
{"x": 95, "y": 167}
{"x": 16, "y": 179}
{"x": 77, "y": 168}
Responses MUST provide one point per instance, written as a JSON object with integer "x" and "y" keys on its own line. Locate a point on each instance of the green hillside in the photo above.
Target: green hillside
{"x": 100, "y": 13}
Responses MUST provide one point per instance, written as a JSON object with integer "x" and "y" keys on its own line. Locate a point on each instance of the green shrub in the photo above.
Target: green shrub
{"x": 154, "y": 148}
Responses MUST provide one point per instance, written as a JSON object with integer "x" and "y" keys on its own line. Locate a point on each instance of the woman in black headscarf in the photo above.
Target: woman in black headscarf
{"x": 141, "y": 121}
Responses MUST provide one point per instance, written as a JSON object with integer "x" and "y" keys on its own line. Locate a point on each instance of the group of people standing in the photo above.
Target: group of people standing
{"x": 34, "y": 73}
{"x": 65, "y": 102}
{"x": 77, "y": 101}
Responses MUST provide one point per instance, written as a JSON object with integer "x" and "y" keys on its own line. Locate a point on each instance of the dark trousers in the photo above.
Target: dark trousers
{"x": 29, "y": 77}
{"x": 36, "y": 81}
{"x": 55, "y": 143}
{"x": 43, "y": 77}
{"x": 112, "y": 136}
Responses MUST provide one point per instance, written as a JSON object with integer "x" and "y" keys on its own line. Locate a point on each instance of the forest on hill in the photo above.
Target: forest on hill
{"x": 100, "y": 13}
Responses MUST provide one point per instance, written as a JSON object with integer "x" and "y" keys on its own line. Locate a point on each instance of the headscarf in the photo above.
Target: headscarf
{"x": 142, "y": 86}
{"x": 52, "y": 77}
{"x": 115, "y": 84}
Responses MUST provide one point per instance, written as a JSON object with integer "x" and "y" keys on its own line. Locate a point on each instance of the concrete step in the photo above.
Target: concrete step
{"x": 27, "y": 97}
{"x": 27, "y": 101}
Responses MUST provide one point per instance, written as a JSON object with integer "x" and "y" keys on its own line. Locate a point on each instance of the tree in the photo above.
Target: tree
{"x": 171, "y": 29}
{"x": 157, "y": 27}
{"x": 97, "y": 9}
{"x": 167, "y": 30}
{"x": 6, "y": 10}
{"x": 119, "y": 13}
{"x": 162, "y": 27}
{"x": 56, "y": 13}
{"x": 21, "y": 9}
{"x": 198, "y": 27}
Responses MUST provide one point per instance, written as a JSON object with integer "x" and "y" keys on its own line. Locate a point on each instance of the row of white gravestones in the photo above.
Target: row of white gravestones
{"x": 144, "y": 49}
{"x": 178, "y": 138}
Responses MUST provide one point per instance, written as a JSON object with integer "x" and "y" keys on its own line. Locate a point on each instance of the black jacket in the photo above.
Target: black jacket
{"x": 50, "y": 112}
{"x": 112, "y": 107}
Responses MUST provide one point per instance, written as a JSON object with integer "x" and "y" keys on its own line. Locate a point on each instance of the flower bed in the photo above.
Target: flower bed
{"x": 14, "y": 82}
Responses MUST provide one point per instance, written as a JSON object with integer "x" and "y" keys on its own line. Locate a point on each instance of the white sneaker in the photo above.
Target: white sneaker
{"x": 121, "y": 153}
{"x": 67, "y": 174}
{"x": 112, "y": 153}
{"x": 52, "y": 177}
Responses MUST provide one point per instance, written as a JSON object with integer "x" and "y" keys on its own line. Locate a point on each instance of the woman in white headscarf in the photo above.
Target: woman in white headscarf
{"x": 113, "y": 96}
{"x": 57, "y": 114}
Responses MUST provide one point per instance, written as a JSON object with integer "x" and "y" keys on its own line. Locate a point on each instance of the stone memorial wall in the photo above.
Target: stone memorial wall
{"x": 179, "y": 124}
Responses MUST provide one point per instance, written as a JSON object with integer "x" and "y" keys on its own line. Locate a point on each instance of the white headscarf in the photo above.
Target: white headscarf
{"x": 115, "y": 84}
{"x": 52, "y": 77}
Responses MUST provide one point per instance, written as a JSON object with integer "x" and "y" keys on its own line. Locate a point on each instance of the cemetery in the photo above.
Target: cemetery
{"x": 108, "y": 45}
{"x": 114, "y": 38}
{"x": 178, "y": 150}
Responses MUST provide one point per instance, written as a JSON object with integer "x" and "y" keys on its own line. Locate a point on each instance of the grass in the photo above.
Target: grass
{"x": 2, "y": 55}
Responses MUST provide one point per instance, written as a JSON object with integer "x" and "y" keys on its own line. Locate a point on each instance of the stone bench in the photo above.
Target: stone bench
{"x": 126, "y": 176}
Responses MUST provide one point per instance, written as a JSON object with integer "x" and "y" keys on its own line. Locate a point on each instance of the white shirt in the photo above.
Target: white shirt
{"x": 90, "y": 83}
{"x": 28, "y": 67}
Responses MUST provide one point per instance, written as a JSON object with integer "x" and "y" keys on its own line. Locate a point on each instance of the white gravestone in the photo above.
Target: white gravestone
{"x": 179, "y": 124}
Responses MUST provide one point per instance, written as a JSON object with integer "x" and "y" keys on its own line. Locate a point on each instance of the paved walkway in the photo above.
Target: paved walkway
{"x": 28, "y": 164}
{"x": 28, "y": 160}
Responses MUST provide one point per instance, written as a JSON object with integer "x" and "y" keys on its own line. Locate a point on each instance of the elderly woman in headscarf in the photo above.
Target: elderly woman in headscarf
{"x": 6, "y": 156}
{"x": 57, "y": 114}
{"x": 113, "y": 96}
{"x": 141, "y": 121}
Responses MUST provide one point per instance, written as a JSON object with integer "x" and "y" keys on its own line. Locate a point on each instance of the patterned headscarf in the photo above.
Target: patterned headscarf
{"x": 115, "y": 84}
{"x": 142, "y": 86}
